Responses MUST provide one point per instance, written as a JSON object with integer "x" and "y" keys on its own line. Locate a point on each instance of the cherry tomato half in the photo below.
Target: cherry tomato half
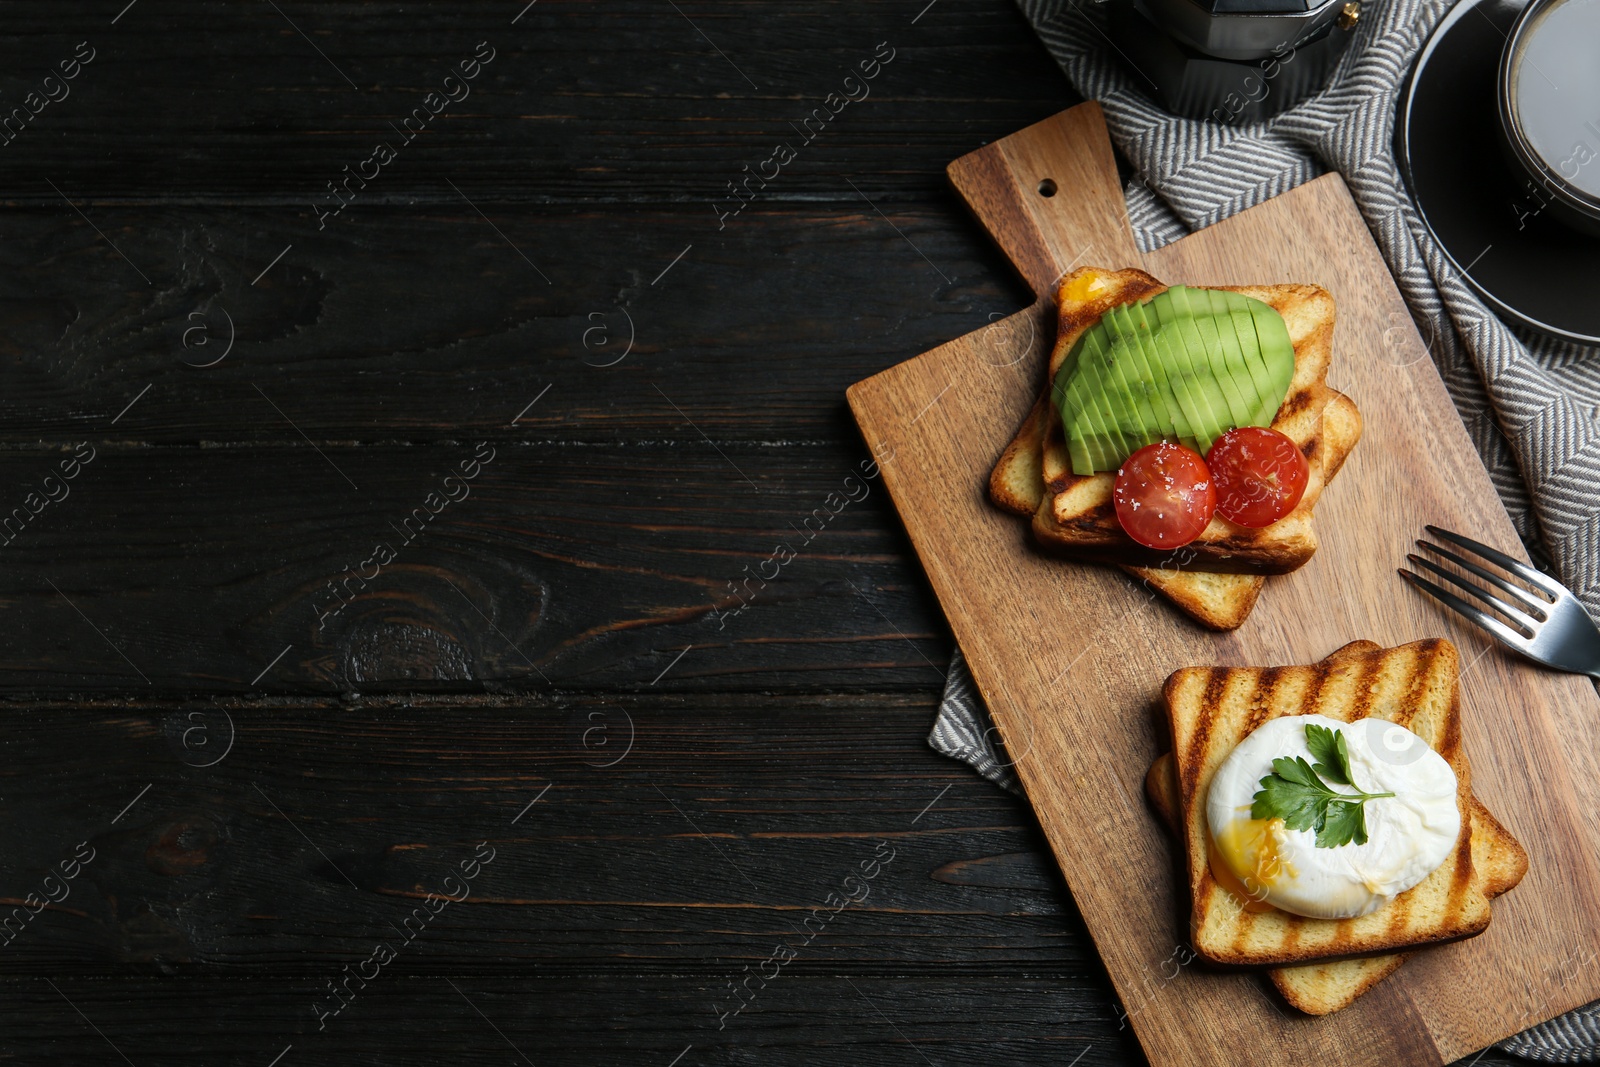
{"x": 1163, "y": 495}
{"x": 1260, "y": 475}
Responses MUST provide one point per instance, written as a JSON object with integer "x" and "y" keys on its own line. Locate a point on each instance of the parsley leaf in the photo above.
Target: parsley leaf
{"x": 1345, "y": 823}
{"x": 1328, "y": 749}
{"x": 1297, "y": 793}
{"x": 1289, "y": 793}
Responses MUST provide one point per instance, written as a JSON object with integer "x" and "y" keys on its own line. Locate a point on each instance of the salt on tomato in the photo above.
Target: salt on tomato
{"x": 1163, "y": 495}
{"x": 1260, "y": 475}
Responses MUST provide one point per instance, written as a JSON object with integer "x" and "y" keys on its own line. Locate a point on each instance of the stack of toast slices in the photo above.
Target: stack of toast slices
{"x": 1323, "y": 965}
{"x": 1216, "y": 578}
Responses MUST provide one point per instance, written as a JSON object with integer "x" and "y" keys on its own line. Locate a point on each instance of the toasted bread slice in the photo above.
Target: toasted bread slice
{"x": 1217, "y": 601}
{"x": 1325, "y": 986}
{"x": 1077, "y": 516}
{"x": 1328, "y": 985}
{"x": 1211, "y": 709}
{"x": 1505, "y": 862}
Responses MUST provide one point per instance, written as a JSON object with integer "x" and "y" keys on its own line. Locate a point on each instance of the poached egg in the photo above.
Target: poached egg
{"x": 1408, "y": 835}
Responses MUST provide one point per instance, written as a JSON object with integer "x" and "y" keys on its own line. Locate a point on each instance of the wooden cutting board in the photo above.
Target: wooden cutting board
{"x": 1070, "y": 657}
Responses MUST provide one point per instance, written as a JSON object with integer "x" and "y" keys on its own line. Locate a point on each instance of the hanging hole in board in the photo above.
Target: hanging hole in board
{"x": 1047, "y": 187}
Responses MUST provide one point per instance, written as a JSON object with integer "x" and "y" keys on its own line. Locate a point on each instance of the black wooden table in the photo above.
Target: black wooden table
{"x": 395, "y": 399}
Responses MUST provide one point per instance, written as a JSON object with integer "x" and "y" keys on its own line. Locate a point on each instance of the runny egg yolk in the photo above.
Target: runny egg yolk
{"x": 1085, "y": 285}
{"x": 1246, "y": 861}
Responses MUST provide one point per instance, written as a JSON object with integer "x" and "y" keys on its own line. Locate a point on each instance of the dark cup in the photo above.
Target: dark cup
{"x": 1549, "y": 97}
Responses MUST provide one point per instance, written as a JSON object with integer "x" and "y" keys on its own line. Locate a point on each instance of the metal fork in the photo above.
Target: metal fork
{"x": 1553, "y": 628}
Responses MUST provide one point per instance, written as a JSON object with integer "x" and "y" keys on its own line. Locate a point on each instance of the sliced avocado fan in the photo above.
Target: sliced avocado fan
{"x": 1186, "y": 365}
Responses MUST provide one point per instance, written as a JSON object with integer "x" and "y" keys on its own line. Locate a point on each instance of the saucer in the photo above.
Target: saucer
{"x": 1489, "y": 218}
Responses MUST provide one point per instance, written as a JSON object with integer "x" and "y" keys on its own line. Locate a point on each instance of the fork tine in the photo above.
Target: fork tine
{"x": 1512, "y": 614}
{"x": 1536, "y": 607}
{"x": 1482, "y": 618}
{"x": 1500, "y": 559}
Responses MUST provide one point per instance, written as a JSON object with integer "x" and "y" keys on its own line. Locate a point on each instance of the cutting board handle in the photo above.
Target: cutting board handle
{"x": 1049, "y": 195}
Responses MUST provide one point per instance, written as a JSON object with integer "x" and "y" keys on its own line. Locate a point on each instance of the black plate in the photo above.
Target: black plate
{"x": 1525, "y": 264}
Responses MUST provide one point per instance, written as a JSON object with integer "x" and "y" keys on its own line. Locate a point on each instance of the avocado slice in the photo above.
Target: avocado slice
{"x": 1105, "y": 398}
{"x": 1078, "y": 451}
{"x": 1277, "y": 353}
{"x": 1141, "y": 422}
{"x": 1080, "y": 415}
{"x": 1090, "y": 441}
{"x": 1184, "y": 365}
{"x": 1196, "y": 389}
{"x": 1071, "y": 428}
{"x": 1244, "y": 333}
{"x": 1243, "y": 323}
{"x": 1175, "y": 426}
{"x": 1210, "y": 356}
{"x": 1168, "y": 343}
{"x": 1162, "y": 399}
{"x": 1237, "y": 378}
{"x": 1244, "y": 330}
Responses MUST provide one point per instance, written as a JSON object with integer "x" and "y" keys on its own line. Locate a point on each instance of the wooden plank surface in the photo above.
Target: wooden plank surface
{"x": 1071, "y": 658}
{"x": 636, "y": 855}
{"x": 558, "y": 565}
{"x": 192, "y": 101}
{"x": 358, "y": 335}
{"x": 404, "y": 1021}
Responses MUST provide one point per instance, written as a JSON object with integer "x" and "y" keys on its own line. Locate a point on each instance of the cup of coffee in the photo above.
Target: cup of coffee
{"x": 1549, "y": 96}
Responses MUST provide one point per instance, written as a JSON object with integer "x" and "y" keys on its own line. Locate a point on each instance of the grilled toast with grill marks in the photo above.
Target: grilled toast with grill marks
{"x": 1077, "y": 516}
{"x": 1325, "y": 986}
{"x": 1211, "y": 709}
{"x": 1218, "y": 601}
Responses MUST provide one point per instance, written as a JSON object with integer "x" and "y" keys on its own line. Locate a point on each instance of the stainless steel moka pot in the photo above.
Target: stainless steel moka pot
{"x": 1232, "y": 61}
